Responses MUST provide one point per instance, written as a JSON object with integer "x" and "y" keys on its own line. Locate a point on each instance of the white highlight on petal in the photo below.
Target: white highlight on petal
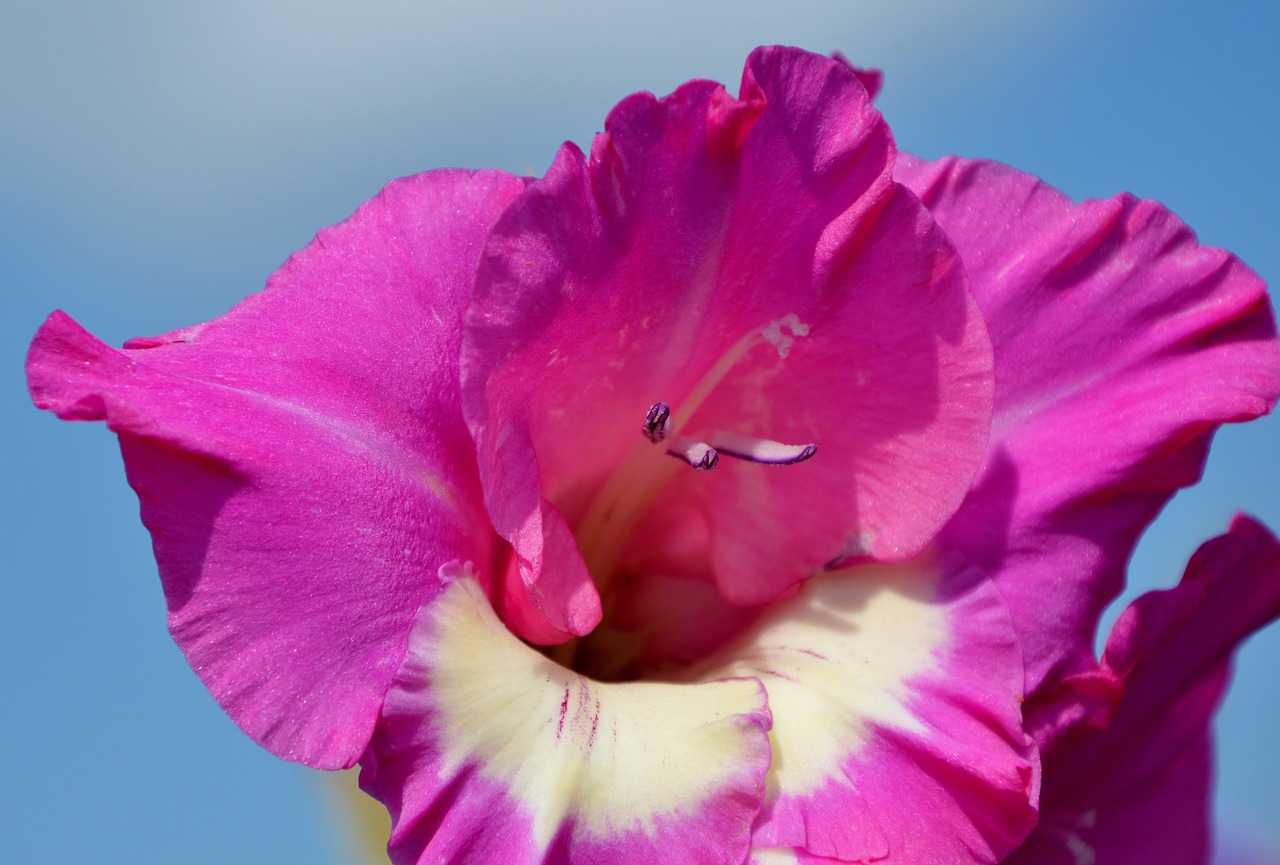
{"x": 611, "y": 756}
{"x": 836, "y": 659}
{"x": 1066, "y": 828}
{"x": 772, "y": 856}
{"x": 1081, "y": 851}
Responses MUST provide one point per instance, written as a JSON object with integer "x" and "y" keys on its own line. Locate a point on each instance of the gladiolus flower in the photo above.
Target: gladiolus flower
{"x": 741, "y": 490}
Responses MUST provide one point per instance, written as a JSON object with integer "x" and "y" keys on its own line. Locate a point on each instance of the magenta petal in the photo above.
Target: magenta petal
{"x": 1120, "y": 345}
{"x": 302, "y": 463}
{"x": 1138, "y": 789}
{"x": 964, "y": 789}
{"x": 872, "y": 79}
{"x": 895, "y": 693}
{"x": 489, "y": 752}
{"x": 751, "y": 263}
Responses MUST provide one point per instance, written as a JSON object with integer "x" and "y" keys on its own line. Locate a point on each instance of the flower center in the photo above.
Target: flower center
{"x": 635, "y": 486}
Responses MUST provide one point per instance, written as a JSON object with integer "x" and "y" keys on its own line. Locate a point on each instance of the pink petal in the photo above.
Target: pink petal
{"x": 895, "y": 693}
{"x": 1120, "y": 345}
{"x": 750, "y": 262}
{"x": 1138, "y": 789}
{"x": 302, "y": 463}
{"x": 872, "y": 79}
{"x": 490, "y": 752}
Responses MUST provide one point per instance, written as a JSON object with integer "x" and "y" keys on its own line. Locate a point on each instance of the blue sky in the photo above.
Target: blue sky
{"x": 159, "y": 160}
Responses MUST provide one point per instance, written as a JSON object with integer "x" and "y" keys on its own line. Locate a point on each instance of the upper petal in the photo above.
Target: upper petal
{"x": 1120, "y": 345}
{"x": 302, "y": 462}
{"x": 1138, "y": 789}
{"x": 750, "y": 262}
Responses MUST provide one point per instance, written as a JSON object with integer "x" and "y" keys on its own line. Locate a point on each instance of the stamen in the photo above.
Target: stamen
{"x": 758, "y": 450}
{"x": 698, "y": 454}
{"x": 655, "y": 422}
{"x": 637, "y": 482}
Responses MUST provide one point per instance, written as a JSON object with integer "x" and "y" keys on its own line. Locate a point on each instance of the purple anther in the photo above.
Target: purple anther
{"x": 698, "y": 454}
{"x": 655, "y": 422}
{"x": 758, "y": 450}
